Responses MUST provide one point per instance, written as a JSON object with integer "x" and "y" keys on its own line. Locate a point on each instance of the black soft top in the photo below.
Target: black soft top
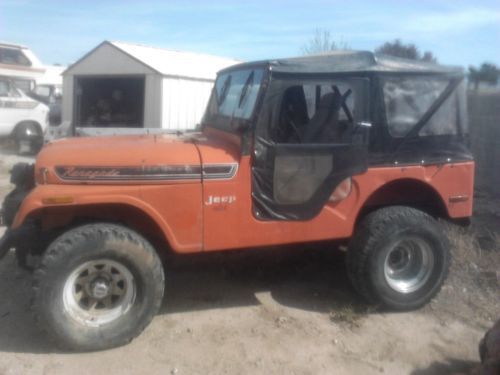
{"x": 349, "y": 62}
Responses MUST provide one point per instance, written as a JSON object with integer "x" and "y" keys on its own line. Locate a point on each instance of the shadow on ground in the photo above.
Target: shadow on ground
{"x": 451, "y": 366}
{"x": 311, "y": 278}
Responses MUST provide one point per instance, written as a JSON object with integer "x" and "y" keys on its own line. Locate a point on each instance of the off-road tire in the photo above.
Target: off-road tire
{"x": 90, "y": 243}
{"x": 368, "y": 250}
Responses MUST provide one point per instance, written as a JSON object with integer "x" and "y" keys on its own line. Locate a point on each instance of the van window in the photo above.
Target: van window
{"x": 4, "y": 88}
{"x": 7, "y": 90}
{"x": 13, "y": 56}
{"x": 43, "y": 91}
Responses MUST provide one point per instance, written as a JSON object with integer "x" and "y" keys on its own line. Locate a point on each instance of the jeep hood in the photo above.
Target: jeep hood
{"x": 137, "y": 158}
{"x": 107, "y": 159}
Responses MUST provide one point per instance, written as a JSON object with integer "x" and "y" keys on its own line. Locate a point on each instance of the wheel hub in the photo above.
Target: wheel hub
{"x": 399, "y": 259}
{"x": 100, "y": 288}
{"x": 98, "y": 292}
{"x": 408, "y": 265}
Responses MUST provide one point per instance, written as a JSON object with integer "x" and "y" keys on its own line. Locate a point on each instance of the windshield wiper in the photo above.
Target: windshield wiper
{"x": 224, "y": 90}
{"x": 244, "y": 91}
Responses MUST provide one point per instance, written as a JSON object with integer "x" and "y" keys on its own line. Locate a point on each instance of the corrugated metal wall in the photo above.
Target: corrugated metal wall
{"x": 153, "y": 101}
{"x": 67, "y": 100}
{"x": 484, "y": 124}
{"x": 184, "y": 102}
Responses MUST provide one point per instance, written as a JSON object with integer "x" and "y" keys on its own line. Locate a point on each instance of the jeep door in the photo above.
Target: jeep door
{"x": 311, "y": 136}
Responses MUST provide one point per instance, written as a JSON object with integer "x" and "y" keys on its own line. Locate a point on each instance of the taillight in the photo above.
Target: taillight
{"x": 342, "y": 191}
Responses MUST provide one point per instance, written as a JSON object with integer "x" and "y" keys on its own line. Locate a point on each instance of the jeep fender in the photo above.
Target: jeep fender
{"x": 46, "y": 197}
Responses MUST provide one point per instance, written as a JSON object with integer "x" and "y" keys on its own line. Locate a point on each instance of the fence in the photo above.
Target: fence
{"x": 484, "y": 124}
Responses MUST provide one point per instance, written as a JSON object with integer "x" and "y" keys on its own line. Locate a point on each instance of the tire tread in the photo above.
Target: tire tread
{"x": 63, "y": 247}
{"x": 369, "y": 233}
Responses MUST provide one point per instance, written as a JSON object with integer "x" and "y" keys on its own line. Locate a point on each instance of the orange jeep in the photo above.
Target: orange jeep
{"x": 363, "y": 149}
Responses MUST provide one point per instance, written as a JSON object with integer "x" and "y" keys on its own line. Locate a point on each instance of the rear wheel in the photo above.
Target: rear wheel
{"x": 98, "y": 286}
{"x": 399, "y": 258}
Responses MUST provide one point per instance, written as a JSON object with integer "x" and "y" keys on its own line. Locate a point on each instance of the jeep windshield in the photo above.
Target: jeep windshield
{"x": 233, "y": 98}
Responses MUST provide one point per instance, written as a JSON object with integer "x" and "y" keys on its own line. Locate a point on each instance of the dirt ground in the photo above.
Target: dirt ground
{"x": 280, "y": 311}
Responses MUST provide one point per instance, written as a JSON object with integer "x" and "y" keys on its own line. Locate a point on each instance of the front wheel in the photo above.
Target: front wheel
{"x": 98, "y": 286}
{"x": 399, "y": 258}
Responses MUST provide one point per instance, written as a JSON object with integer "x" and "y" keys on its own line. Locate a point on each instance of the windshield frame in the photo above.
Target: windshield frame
{"x": 232, "y": 123}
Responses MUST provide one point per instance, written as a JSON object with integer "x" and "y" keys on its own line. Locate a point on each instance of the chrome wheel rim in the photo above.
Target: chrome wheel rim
{"x": 408, "y": 265}
{"x": 99, "y": 292}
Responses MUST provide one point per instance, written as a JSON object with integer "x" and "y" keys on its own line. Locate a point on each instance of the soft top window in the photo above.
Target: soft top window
{"x": 407, "y": 99}
{"x": 319, "y": 111}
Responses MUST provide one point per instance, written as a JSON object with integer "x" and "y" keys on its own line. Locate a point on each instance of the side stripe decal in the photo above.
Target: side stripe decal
{"x": 219, "y": 171}
{"x": 147, "y": 173}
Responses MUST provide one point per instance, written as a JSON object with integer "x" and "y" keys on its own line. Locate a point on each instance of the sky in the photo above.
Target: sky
{"x": 457, "y": 32}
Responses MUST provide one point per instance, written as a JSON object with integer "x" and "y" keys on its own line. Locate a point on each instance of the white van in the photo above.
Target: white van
{"x": 22, "y": 119}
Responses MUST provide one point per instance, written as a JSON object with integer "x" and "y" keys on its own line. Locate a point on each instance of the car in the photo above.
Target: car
{"x": 22, "y": 119}
{"x": 351, "y": 147}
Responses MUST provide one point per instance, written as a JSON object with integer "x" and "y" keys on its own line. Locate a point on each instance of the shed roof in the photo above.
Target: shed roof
{"x": 168, "y": 62}
{"x": 351, "y": 61}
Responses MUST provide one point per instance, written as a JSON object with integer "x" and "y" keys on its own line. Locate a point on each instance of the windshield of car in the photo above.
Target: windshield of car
{"x": 235, "y": 94}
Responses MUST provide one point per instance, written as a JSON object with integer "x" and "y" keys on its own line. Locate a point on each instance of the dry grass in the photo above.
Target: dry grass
{"x": 346, "y": 315}
{"x": 468, "y": 254}
{"x": 472, "y": 290}
{"x": 351, "y": 315}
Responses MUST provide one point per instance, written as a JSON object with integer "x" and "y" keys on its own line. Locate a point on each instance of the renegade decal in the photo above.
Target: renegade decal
{"x": 164, "y": 172}
{"x": 169, "y": 172}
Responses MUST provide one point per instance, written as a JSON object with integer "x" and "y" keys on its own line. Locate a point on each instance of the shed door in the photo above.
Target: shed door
{"x": 109, "y": 101}
{"x": 318, "y": 138}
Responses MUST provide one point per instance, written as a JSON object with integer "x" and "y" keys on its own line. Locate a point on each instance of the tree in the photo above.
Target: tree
{"x": 487, "y": 72}
{"x": 322, "y": 42}
{"x": 406, "y": 51}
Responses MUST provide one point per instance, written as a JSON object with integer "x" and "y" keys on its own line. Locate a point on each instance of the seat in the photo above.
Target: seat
{"x": 293, "y": 117}
{"x": 324, "y": 125}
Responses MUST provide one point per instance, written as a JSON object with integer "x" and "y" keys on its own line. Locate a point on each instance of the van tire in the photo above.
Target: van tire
{"x": 97, "y": 287}
{"x": 35, "y": 142}
{"x": 398, "y": 258}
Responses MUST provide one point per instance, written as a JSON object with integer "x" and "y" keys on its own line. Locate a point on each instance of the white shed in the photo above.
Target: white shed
{"x": 123, "y": 85}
